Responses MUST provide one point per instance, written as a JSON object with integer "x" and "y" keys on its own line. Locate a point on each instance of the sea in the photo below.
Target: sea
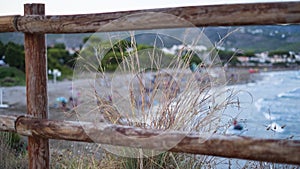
{"x": 269, "y": 107}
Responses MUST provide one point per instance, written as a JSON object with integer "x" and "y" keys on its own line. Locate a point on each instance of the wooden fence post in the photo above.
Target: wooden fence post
{"x": 36, "y": 88}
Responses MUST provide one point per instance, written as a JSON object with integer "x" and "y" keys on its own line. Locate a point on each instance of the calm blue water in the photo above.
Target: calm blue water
{"x": 270, "y": 108}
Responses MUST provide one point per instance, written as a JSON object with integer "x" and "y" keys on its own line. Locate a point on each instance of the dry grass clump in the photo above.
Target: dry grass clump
{"x": 151, "y": 90}
{"x": 13, "y": 153}
{"x": 169, "y": 160}
{"x": 147, "y": 89}
{"x": 68, "y": 160}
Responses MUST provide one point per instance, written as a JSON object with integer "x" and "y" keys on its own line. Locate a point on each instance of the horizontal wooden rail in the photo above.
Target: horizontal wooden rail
{"x": 212, "y": 15}
{"x": 7, "y": 23}
{"x": 280, "y": 151}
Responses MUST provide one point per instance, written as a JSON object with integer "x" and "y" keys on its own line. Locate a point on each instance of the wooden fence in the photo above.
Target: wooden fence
{"x": 34, "y": 24}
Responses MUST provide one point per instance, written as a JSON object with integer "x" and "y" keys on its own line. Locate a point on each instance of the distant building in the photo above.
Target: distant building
{"x": 243, "y": 59}
{"x": 297, "y": 58}
{"x": 277, "y": 59}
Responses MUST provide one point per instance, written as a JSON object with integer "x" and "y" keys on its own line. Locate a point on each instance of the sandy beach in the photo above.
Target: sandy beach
{"x": 15, "y": 96}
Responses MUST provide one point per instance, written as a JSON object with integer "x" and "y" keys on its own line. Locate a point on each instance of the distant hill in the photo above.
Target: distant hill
{"x": 70, "y": 40}
{"x": 257, "y": 38}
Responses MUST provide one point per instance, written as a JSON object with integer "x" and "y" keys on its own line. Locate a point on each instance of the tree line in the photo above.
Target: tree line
{"x": 57, "y": 57}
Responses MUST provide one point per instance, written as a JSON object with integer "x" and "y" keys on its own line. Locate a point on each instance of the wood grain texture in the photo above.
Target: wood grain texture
{"x": 36, "y": 88}
{"x": 8, "y": 23}
{"x": 211, "y": 15}
{"x": 272, "y": 150}
{"x": 7, "y": 123}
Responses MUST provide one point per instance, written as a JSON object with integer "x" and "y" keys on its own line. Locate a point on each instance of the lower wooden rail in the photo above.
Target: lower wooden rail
{"x": 271, "y": 150}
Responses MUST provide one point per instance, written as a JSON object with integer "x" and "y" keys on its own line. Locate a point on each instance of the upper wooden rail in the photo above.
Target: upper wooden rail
{"x": 212, "y": 15}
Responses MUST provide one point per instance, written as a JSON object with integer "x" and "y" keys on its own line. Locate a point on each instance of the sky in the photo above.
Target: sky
{"x": 60, "y": 7}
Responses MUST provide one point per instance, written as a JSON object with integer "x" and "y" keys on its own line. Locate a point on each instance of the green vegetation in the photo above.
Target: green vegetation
{"x": 229, "y": 57}
{"x": 279, "y": 52}
{"x": 13, "y": 140}
{"x": 13, "y": 55}
{"x": 249, "y": 53}
{"x": 11, "y": 76}
{"x": 112, "y": 55}
{"x": 226, "y": 55}
{"x": 2, "y": 49}
{"x": 59, "y": 58}
{"x": 191, "y": 58}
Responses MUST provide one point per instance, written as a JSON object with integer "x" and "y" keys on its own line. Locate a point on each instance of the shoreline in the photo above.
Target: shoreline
{"x": 241, "y": 75}
{"x": 15, "y": 96}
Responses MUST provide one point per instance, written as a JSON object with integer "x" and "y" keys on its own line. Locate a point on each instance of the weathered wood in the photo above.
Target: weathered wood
{"x": 272, "y": 150}
{"x": 63, "y": 130}
{"x": 210, "y": 15}
{"x": 7, "y": 123}
{"x": 278, "y": 151}
{"x": 8, "y": 23}
{"x": 36, "y": 88}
